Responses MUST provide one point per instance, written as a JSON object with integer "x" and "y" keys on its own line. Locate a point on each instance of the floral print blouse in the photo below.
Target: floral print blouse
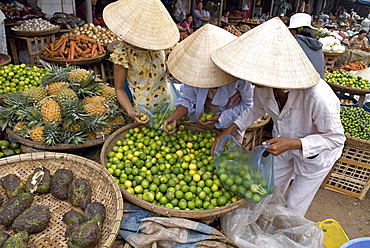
{"x": 146, "y": 75}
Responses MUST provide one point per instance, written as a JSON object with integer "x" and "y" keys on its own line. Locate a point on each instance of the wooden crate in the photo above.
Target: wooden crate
{"x": 330, "y": 59}
{"x": 33, "y": 45}
{"x": 351, "y": 173}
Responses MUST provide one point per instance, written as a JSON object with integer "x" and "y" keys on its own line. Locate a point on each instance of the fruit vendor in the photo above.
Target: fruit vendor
{"x": 146, "y": 29}
{"x": 205, "y": 87}
{"x": 307, "y": 134}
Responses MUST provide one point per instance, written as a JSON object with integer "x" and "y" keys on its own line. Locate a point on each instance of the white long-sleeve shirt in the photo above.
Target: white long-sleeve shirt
{"x": 193, "y": 99}
{"x": 311, "y": 115}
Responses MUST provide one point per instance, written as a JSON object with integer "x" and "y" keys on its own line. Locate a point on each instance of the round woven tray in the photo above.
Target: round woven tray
{"x": 348, "y": 89}
{"x": 87, "y": 61}
{"x": 105, "y": 191}
{"x": 36, "y": 33}
{"x": 256, "y": 125}
{"x": 358, "y": 143}
{"x": 59, "y": 147}
{"x": 332, "y": 54}
{"x": 5, "y": 56}
{"x": 193, "y": 214}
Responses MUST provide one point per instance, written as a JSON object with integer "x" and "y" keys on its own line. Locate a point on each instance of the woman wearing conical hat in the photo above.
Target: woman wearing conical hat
{"x": 308, "y": 135}
{"x": 205, "y": 87}
{"x": 146, "y": 29}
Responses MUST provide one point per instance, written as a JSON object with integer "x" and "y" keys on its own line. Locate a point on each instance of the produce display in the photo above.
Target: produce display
{"x": 66, "y": 21}
{"x": 250, "y": 20}
{"x": 102, "y": 35}
{"x": 35, "y": 25}
{"x": 355, "y": 66}
{"x": 15, "y": 14}
{"x": 347, "y": 79}
{"x": 9, "y": 148}
{"x": 355, "y": 122}
{"x": 83, "y": 229}
{"x": 331, "y": 44}
{"x": 2, "y": 60}
{"x": 74, "y": 47}
{"x": 346, "y": 101}
{"x": 17, "y": 78}
{"x": 232, "y": 29}
{"x": 70, "y": 107}
{"x": 174, "y": 171}
{"x": 243, "y": 28}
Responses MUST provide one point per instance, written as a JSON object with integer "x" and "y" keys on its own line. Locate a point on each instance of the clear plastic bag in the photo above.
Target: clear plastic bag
{"x": 157, "y": 119}
{"x": 246, "y": 173}
{"x": 270, "y": 225}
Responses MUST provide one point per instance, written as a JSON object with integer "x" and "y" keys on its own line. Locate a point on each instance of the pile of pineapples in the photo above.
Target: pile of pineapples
{"x": 71, "y": 106}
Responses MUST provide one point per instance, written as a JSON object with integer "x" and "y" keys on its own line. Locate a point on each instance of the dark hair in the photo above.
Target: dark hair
{"x": 362, "y": 32}
{"x": 186, "y": 17}
{"x": 225, "y": 11}
{"x": 306, "y": 31}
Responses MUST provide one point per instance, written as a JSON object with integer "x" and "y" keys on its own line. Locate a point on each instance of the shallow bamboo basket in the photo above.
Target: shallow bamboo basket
{"x": 7, "y": 57}
{"x": 105, "y": 190}
{"x": 254, "y": 133}
{"x": 58, "y": 147}
{"x": 205, "y": 215}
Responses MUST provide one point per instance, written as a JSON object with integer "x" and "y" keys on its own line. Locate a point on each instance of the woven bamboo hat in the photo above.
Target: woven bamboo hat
{"x": 268, "y": 55}
{"x": 142, "y": 23}
{"x": 190, "y": 61}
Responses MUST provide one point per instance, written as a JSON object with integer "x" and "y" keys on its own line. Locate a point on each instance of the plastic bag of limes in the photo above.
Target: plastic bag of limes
{"x": 248, "y": 174}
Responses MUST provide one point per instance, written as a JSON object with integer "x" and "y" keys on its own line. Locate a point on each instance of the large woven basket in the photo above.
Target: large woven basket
{"x": 58, "y": 147}
{"x": 254, "y": 133}
{"x": 87, "y": 61}
{"x": 105, "y": 190}
{"x": 36, "y": 33}
{"x": 193, "y": 214}
{"x": 348, "y": 89}
{"x": 5, "y": 56}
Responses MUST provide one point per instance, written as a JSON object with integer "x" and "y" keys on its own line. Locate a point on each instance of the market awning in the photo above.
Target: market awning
{"x": 364, "y": 1}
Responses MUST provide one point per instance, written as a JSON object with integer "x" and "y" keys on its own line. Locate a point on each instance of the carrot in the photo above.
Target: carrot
{"x": 47, "y": 49}
{"x": 52, "y": 47}
{"x": 78, "y": 50}
{"x": 61, "y": 39}
{"x": 87, "y": 51}
{"x": 71, "y": 52}
{"x": 100, "y": 48}
{"x": 93, "y": 50}
{"x": 89, "y": 45}
{"x": 60, "y": 43}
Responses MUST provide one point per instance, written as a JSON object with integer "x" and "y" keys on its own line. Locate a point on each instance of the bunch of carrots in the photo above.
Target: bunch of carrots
{"x": 74, "y": 47}
{"x": 355, "y": 66}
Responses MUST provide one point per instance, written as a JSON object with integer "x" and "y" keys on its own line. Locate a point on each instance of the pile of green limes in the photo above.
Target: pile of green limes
{"x": 175, "y": 171}
{"x": 347, "y": 79}
{"x": 17, "y": 78}
{"x": 355, "y": 122}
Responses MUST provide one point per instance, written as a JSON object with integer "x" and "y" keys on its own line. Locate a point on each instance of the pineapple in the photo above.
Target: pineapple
{"x": 64, "y": 94}
{"x": 37, "y": 134}
{"x": 109, "y": 93}
{"x": 119, "y": 120}
{"x": 51, "y": 112}
{"x": 20, "y": 127}
{"x": 93, "y": 99}
{"x": 78, "y": 75}
{"x": 56, "y": 74}
{"x": 36, "y": 94}
{"x": 75, "y": 127}
{"x": 93, "y": 124}
{"x": 53, "y": 88}
{"x": 95, "y": 109}
{"x": 73, "y": 115}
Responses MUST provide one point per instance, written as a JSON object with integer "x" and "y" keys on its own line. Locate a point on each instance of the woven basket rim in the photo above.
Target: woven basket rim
{"x": 258, "y": 125}
{"x": 36, "y": 33}
{"x": 195, "y": 214}
{"x": 360, "y": 143}
{"x": 74, "y": 61}
{"x": 92, "y": 165}
{"x": 59, "y": 147}
{"x": 347, "y": 89}
{"x": 7, "y": 57}
{"x": 332, "y": 53}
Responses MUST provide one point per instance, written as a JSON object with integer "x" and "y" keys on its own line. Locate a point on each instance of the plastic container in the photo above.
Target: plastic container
{"x": 357, "y": 243}
{"x": 345, "y": 97}
{"x": 366, "y": 106}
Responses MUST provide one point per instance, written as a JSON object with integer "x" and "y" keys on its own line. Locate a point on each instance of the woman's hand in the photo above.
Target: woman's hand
{"x": 234, "y": 100}
{"x": 210, "y": 121}
{"x": 279, "y": 145}
{"x": 136, "y": 117}
{"x": 170, "y": 121}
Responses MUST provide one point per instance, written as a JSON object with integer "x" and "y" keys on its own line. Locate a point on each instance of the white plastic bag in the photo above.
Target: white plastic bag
{"x": 270, "y": 225}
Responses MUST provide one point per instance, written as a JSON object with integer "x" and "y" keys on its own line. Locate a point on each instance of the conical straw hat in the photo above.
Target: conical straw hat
{"x": 268, "y": 55}
{"x": 190, "y": 61}
{"x": 142, "y": 23}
